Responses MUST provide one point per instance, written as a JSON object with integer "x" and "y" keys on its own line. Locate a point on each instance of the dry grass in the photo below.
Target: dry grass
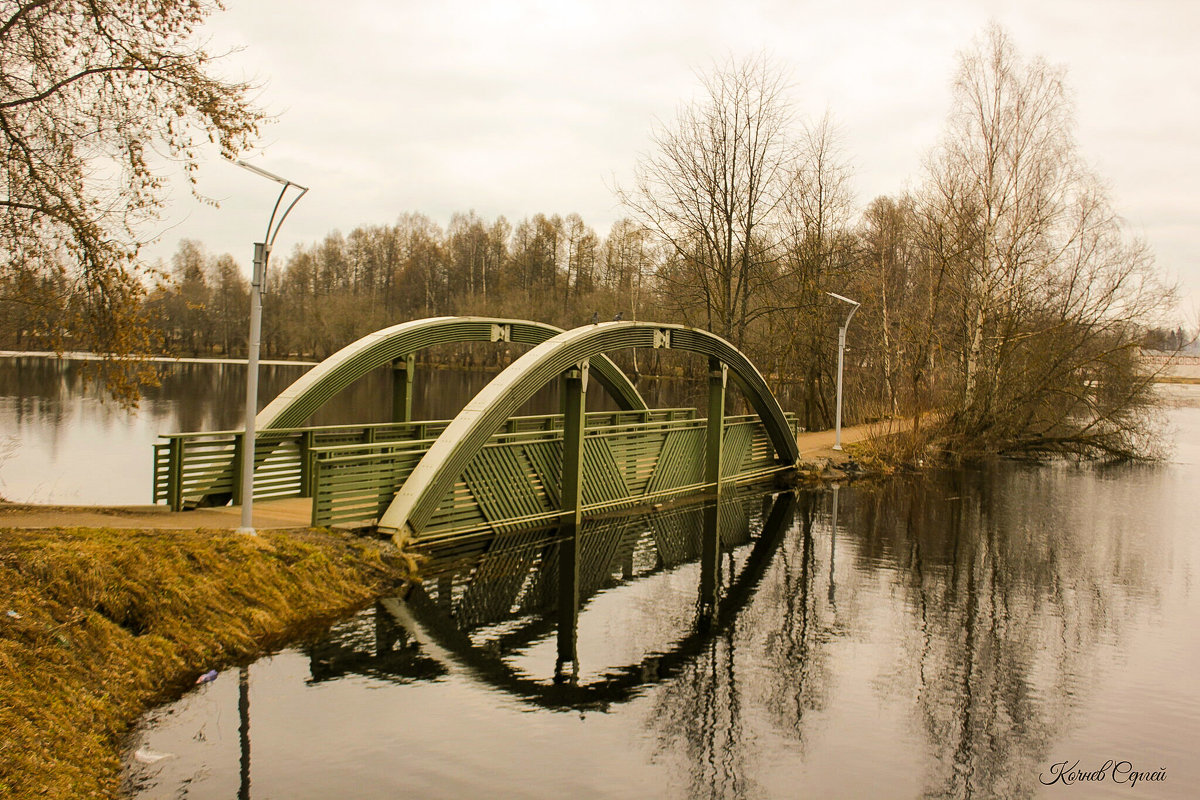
{"x": 96, "y": 625}
{"x": 893, "y": 443}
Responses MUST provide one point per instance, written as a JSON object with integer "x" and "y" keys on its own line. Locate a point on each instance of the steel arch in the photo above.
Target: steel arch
{"x": 320, "y": 384}
{"x": 418, "y": 498}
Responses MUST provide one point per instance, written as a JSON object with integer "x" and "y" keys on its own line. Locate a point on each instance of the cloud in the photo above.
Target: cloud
{"x": 518, "y": 107}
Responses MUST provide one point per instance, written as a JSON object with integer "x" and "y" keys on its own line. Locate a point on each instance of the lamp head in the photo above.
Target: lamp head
{"x": 265, "y": 174}
{"x": 843, "y": 299}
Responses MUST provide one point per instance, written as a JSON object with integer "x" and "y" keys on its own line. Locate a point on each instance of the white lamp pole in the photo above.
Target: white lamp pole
{"x": 837, "y": 444}
{"x": 262, "y": 253}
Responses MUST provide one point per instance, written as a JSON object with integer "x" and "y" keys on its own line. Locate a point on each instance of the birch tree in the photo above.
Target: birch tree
{"x": 1050, "y": 294}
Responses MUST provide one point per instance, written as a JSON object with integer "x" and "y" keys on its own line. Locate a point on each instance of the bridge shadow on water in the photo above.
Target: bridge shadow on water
{"x": 478, "y": 602}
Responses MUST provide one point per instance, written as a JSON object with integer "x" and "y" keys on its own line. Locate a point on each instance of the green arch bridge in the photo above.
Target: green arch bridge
{"x": 487, "y": 469}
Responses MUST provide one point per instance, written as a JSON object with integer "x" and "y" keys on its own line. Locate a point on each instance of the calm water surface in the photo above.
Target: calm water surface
{"x": 57, "y": 434}
{"x": 954, "y": 634}
{"x": 949, "y": 635}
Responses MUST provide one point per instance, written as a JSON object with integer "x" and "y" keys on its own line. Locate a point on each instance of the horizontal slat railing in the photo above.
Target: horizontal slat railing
{"x": 353, "y": 484}
{"x": 190, "y": 467}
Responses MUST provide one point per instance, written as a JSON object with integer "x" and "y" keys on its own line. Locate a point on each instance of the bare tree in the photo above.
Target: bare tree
{"x": 628, "y": 260}
{"x": 1049, "y": 295}
{"x": 713, "y": 192}
{"x": 818, "y": 256}
{"x": 88, "y": 91}
{"x": 891, "y": 258}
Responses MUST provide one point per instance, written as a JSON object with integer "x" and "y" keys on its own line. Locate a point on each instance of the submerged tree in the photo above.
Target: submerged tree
{"x": 91, "y": 95}
{"x": 1048, "y": 295}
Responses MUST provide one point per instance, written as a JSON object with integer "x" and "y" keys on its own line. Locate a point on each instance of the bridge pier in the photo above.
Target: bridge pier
{"x": 574, "y": 394}
{"x": 402, "y": 384}
{"x": 710, "y": 544}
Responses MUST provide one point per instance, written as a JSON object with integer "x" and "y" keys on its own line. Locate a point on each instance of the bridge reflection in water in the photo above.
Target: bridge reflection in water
{"x": 483, "y": 601}
{"x": 947, "y": 634}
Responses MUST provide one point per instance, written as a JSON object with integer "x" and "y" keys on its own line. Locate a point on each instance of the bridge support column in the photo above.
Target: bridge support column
{"x": 718, "y": 378}
{"x": 710, "y": 561}
{"x": 402, "y": 383}
{"x": 710, "y": 544}
{"x": 574, "y": 393}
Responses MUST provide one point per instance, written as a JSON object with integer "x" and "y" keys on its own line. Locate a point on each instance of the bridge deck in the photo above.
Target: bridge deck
{"x": 290, "y": 512}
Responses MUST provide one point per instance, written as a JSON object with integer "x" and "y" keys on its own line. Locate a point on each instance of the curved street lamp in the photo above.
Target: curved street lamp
{"x": 262, "y": 253}
{"x": 837, "y": 443}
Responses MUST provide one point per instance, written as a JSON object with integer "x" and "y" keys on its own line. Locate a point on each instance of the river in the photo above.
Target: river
{"x": 56, "y": 429}
{"x": 994, "y": 631}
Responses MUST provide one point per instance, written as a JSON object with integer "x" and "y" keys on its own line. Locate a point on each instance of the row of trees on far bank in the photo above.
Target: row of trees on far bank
{"x": 1002, "y": 291}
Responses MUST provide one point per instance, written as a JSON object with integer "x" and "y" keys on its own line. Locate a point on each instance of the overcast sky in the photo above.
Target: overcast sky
{"x": 516, "y": 108}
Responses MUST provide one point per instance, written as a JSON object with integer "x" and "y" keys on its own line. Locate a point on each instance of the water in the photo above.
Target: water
{"x": 57, "y": 432}
{"x": 953, "y": 634}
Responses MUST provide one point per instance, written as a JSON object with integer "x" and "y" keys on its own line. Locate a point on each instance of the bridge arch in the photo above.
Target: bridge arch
{"x": 320, "y": 384}
{"x": 446, "y": 459}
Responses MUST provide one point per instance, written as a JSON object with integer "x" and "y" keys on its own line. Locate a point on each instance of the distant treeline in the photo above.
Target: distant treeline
{"x": 558, "y": 270}
{"x": 1003, "y": 291}
{"x": 321, "y": 297}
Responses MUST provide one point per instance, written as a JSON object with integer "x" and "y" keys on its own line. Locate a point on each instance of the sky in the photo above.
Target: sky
{"x": 513, "y": 108}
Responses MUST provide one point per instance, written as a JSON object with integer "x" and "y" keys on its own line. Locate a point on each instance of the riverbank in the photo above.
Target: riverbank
{"x": 97, "y": 625}
{"x": 73, "y": 355}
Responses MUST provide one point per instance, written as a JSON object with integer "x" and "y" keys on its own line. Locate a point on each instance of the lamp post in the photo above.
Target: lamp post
{"x": 837, "y": 443}
{"x": 262, "y": 253}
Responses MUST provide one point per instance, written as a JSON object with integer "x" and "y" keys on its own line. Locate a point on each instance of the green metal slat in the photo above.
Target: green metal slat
{"x": 681, "y": 462}
{"x": 546, "y": 458}
{"x": 501, "y": 485}
{"x": 602, "y": 479}
{"x": 734, "y": 446}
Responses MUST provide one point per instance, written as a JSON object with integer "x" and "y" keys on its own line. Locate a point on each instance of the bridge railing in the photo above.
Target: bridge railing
{"x": 514, "y": 481}
{"x": 189, "y": 467}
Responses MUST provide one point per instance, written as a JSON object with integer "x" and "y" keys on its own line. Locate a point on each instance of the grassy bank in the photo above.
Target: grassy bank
{"x": 96, "y": 625}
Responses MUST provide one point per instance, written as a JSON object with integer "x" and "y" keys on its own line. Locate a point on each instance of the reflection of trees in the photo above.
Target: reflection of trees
{"x": 702, "y": 713}
{"x": 994, "y": 594}
{"x": 796, "y": 624}
{"x": 977, "y": 601}
{"x": 1008, "y": 600}
{"x": 190, "y": 397}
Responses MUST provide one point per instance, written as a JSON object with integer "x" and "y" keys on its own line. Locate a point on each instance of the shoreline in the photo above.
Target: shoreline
{"x": 98, "y": 625}
{"x": 84, "y": 356}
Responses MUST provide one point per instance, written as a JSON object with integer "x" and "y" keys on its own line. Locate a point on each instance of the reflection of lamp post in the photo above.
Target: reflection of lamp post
{"x": 262, "y": 252}
{"x": 244, "y": 732}
{"x": 833, "y": 541}
{"x": 837, "y": 444}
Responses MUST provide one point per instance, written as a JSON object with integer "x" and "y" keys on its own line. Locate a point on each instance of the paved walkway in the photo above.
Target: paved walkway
{"x": 293, "y": 512}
